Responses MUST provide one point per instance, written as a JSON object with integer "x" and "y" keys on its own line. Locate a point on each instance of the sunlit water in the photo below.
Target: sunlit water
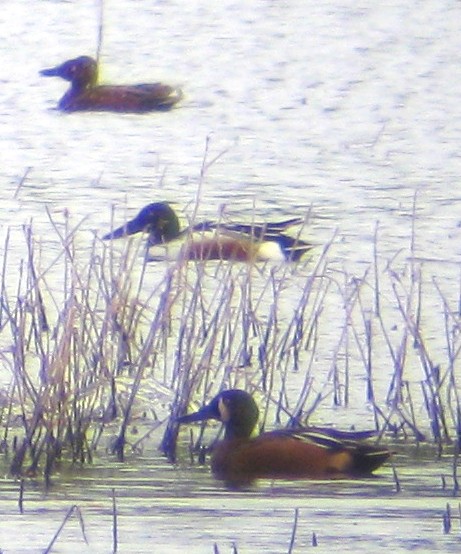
{"x": 350, "y": 110}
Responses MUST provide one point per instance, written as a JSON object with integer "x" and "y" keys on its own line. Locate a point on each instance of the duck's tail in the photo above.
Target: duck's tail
{"x": 368, "y": 458}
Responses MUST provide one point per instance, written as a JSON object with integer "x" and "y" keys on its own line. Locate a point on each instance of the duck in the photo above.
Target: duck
{"x": 85, "y": 94}
{"x": 209, "y": 240}
{"x": 295, "y": 453}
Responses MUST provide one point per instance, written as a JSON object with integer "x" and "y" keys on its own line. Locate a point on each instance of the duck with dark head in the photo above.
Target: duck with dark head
{"x": 85, "y": 94}
{"x": 295, "y": 453}
{"x": 208, "y": 240}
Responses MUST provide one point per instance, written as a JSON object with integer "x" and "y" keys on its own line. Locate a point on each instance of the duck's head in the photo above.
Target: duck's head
{"x": 158, "y": 219}
{"x": 82, "y": 72}
{"x": 235, "y": 408}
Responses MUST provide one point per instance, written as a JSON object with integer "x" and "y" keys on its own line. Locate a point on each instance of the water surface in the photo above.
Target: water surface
{"x": 350, "y": 110}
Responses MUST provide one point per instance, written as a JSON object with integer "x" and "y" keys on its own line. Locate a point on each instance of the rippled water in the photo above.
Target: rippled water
{"x": 346, "y": 107}
{"x": 168, "y": 509}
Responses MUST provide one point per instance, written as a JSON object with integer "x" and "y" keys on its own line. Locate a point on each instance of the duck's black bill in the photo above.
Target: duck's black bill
{"x": 130, "y": 228}
{"x": 203, "y": 414}
{"x": 51, "y": 72}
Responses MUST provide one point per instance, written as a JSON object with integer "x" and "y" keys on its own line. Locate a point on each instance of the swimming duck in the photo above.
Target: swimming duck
{"x": 299, "y": 453}
{"x": 212, "y": 241}
{"x": 86, "y": 94}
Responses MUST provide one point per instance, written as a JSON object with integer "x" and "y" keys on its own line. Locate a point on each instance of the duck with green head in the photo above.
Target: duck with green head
{"x": 213, "y": 241}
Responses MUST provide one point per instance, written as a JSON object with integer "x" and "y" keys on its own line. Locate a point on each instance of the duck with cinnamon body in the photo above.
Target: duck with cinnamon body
{"x": 314, "y": 452}
{"x": 212, "y": 240}
{"x": 85, "y": 94}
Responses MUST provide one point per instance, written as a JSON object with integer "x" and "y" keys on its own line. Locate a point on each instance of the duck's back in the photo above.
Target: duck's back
{"x": 281, "y": 455}
{"x": 128, "y": 99}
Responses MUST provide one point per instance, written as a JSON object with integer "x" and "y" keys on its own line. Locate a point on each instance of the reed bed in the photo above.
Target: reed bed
{"x": 94, "y": 341}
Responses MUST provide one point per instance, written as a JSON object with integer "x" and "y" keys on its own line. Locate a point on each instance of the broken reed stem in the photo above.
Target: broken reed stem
{"x": 398, "y": 486}
{"x": 73, "y": 509}
{"x": 434, "y": 402}
{"x": 377, "y": 287}
{"x": 114, "y": 523}
{"x": 100, "y": 31}
{"x": 446, "y": 519}
{"x": 293, "y": 531}
{"x": 4, "y": 296}
{"x": 453, "y": 345}
{"x": 21, "y": 496}
{"x": 21, "y": 182}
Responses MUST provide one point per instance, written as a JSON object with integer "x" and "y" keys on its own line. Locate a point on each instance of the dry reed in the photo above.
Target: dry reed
{"x": 111, "y": 340}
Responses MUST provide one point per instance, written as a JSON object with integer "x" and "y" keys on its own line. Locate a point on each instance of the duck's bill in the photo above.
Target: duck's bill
{"x": 203, "y": 414}
{"x": 130, "y": 228}
{"x": 50, "y": 72}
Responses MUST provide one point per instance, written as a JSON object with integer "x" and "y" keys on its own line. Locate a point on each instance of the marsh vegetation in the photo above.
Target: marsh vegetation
{"x": 116, "y": 345}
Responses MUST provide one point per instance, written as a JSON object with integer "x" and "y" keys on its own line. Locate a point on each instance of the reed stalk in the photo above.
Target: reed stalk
{"x": 95, "y": 340}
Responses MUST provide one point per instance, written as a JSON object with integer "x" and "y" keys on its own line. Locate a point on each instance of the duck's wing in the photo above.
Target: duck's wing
{"x": 288, "y": 248}
{"x": 326, "y": 437}
{"x": 364, "y": 456}
{"x": 157, "y": 94}
{"x": 259, "y": 231}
